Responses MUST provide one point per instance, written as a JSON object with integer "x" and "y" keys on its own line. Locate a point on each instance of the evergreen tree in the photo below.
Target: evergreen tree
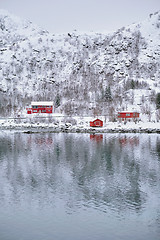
{"x": 158, "y": 100}
{"x": 57, "y": 101}
{"x": 132, "y": 84}
{"x": 107, "y": 94}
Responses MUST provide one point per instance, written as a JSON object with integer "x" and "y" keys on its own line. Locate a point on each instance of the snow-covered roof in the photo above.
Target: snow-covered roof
{"x": 132, "y": 111}
{"x": 41, "y": 103}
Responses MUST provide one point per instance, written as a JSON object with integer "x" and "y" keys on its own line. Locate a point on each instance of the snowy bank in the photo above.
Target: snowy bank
{"x": 81, "y": 126}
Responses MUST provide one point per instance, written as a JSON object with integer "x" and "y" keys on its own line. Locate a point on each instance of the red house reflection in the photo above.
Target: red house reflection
{"x": 40, "y": 140}
{"x": 96, "y": 137}
{"x": 133, "y": 141}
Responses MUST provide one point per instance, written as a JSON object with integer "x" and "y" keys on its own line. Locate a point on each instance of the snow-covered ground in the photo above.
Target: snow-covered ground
{"x": 82, "y": 73}
{"x": 61, "y": 123}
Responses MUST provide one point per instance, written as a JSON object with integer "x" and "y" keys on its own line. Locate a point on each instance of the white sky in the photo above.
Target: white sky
{"x": 58, "y": 16}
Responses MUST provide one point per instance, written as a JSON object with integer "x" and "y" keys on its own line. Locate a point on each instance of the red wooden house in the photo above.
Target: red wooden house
{"x": 128, "y": 115}
{"x": 40, "y": 107}
{"x": 96, "y": 123}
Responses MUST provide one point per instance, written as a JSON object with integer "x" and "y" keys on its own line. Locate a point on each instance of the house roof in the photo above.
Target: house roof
{"x": 128, "y": 112}
{"x": 97, "y": 120}
{"x": 41, "y": 103}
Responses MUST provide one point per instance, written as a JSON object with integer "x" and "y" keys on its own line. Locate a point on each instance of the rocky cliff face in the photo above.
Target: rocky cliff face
{"x": 82, "y": 73}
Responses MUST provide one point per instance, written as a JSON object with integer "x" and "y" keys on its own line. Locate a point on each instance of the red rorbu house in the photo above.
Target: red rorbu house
{"x": 96, "y": 123}
{"x": 128, "y": 115}
{"x": 40, "y": 107}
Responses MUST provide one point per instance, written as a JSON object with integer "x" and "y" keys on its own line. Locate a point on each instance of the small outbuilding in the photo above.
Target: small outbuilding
{"x": 96, "y": 123}
{"x": 29, "y": 110}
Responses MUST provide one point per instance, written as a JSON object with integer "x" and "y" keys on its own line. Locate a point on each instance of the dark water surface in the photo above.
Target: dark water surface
{"x": 79, "y": 186}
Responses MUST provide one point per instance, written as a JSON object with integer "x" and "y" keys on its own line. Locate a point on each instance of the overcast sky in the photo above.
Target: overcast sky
{"x": 58, "y": 16}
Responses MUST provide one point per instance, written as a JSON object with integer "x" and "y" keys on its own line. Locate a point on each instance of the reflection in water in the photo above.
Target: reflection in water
{"x": 96, "y": 137}
{"x": 129, "y": 140}
{"x": 105, "y": 172}
{"x": 41, "y": 140}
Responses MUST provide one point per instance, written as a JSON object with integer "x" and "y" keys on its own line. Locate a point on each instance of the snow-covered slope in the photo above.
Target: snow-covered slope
{"x": 82, "y": 73}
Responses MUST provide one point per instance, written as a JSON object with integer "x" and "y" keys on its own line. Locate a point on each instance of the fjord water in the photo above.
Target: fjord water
{"x": 68, "y": 186}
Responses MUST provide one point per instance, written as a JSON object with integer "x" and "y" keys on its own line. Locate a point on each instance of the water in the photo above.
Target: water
{"x": 79, "y": 186}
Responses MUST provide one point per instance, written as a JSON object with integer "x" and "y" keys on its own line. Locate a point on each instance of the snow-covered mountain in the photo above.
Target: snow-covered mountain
{"x": 83, "y": 73}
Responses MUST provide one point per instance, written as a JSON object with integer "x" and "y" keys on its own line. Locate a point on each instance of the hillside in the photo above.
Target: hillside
{"x": 83, "y": 73}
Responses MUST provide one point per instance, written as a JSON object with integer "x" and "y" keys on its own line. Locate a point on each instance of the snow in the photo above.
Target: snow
{"x": 41, "y": 103}
{"x": 78, "y": 61}
{"x": 61, "y": 123}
